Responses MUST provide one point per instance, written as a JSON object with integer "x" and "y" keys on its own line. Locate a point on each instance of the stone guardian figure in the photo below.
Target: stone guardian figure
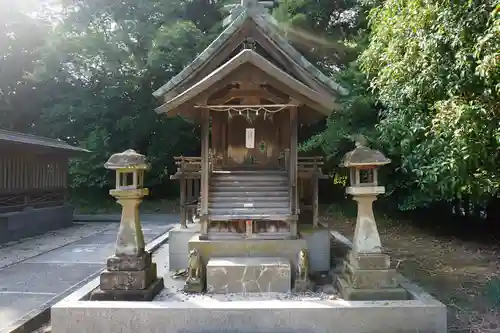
{"x": 194, "y": 282}
{"x": 302, "y": 281}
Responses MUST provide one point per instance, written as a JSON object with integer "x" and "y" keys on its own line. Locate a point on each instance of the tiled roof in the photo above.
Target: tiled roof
{"x": 267, "y": 24}
{"x": 28, "y": 139}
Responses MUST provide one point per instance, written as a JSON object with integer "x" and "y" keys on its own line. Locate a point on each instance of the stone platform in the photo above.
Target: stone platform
{"x": 275, "y": 248}
{"x": 176, "y": 312}
{"x": 248, "y": 275}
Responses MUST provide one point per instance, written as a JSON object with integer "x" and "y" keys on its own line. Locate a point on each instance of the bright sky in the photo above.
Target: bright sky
{"x": 48, "y": 9}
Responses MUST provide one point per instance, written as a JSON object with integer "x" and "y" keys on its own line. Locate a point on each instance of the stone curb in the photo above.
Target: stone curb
{"x": 96, "y": 218}
{"x": 113, "y": 217}
{"x": 38, "y": 317}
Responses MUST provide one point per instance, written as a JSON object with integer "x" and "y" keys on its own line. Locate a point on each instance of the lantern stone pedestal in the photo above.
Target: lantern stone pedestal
{"x": 367, "y": 274}
{"x": 130, "y": 274}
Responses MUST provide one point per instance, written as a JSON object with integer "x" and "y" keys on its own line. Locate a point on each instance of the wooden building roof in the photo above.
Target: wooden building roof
{"x": 250, "y": 21}
{"x": 289, "y": 85}
{"x": 9, "y": 138}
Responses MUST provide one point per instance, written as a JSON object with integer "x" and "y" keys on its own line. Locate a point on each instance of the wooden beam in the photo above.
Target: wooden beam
{"x": 237, "y": 93}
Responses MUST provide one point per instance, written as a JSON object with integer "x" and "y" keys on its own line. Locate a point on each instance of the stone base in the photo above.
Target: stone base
{"x": 204, "y": 314}
{"x": 275, "y": 248}
{"x": 370, "y": 278}
{"x": 194, "y": 286}
{"x": 302, "y": 286}
{"x": 173, "y": 311}
{"x": 348, "y": 292}
{"x": 128, "y": 280}
{"x": 129, "y": 263}
{"x": 129, "y": 295}
{"x": 369, "y": 260}
{"x": 248, "y": 275}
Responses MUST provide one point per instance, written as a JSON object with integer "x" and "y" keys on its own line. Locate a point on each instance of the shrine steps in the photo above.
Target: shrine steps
{"x": 249, "y": 194}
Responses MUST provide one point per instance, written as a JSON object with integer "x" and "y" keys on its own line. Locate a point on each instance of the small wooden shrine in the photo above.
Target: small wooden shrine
{"x": 250, "y": 91}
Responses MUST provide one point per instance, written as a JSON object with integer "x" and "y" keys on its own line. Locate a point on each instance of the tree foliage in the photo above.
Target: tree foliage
{"x": 423, "y": 79}
{"x": 434, "y": 66}
{"x": 107, "y": 58}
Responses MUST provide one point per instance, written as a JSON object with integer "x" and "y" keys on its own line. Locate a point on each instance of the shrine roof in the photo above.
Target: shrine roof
{"x": 268, "y": 26}
{"x": 306, "y": 95}
{"x": 32, "y": 140}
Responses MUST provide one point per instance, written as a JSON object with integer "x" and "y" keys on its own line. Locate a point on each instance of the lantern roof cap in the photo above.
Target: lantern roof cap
{"x": 129, "y": 159}
{"x": 363, "y": 156}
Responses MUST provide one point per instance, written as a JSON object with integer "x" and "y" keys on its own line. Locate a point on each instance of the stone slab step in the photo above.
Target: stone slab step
{"x": 248, "y": 275}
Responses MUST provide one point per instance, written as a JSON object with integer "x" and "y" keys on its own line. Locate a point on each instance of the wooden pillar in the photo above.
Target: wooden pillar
{"x": 293, "y": 168}
{"x": 189, "y": 198}
{"x": 205, "y": 174}
{"x": 183, "y": 202}
{"x": 315, "y": 204}
{"x": 293, "y": 156}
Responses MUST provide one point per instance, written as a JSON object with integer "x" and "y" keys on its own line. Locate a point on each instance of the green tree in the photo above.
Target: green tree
{"x": 342, "y": 30}
{"x": 106, "y": 58}
{"x": 21, "y": 37}
{"x": 434, "y": 66}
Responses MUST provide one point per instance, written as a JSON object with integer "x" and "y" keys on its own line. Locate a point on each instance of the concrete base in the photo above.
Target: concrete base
{"x": 248, "y": 275}
{"x": 129, "y": 295}
{"x": 202, "y": 314}
{"x": 34, "y": 221}
{"x": 276, "y": 248}
{"x": 318, "y": 246}
{"x": 178, "y": 241}
{"x": 174, "y": 311}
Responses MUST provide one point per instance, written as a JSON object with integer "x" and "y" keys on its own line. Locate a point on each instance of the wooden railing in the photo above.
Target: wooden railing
{"x": 188, "y": 164}
{"x": 36, "y": 198}
{"x": 311, "y": 164}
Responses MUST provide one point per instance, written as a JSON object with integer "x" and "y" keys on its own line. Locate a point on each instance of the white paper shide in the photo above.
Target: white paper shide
{"x": 250, "y": 138}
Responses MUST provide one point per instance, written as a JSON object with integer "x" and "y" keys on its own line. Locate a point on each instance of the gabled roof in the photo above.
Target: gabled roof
{"x": 296, "y": 88}
{"x": 267, "y": 26}
{"x": 28, "y": 139}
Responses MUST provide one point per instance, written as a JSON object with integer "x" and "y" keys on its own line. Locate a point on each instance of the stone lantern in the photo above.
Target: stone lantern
{"x": 367, "y": 275}
{"x": 363, "y": 164}
{"x": 130, "y": 273}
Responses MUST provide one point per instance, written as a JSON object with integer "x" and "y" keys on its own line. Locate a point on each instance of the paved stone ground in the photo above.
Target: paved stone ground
{"x": 36, "y": 270}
